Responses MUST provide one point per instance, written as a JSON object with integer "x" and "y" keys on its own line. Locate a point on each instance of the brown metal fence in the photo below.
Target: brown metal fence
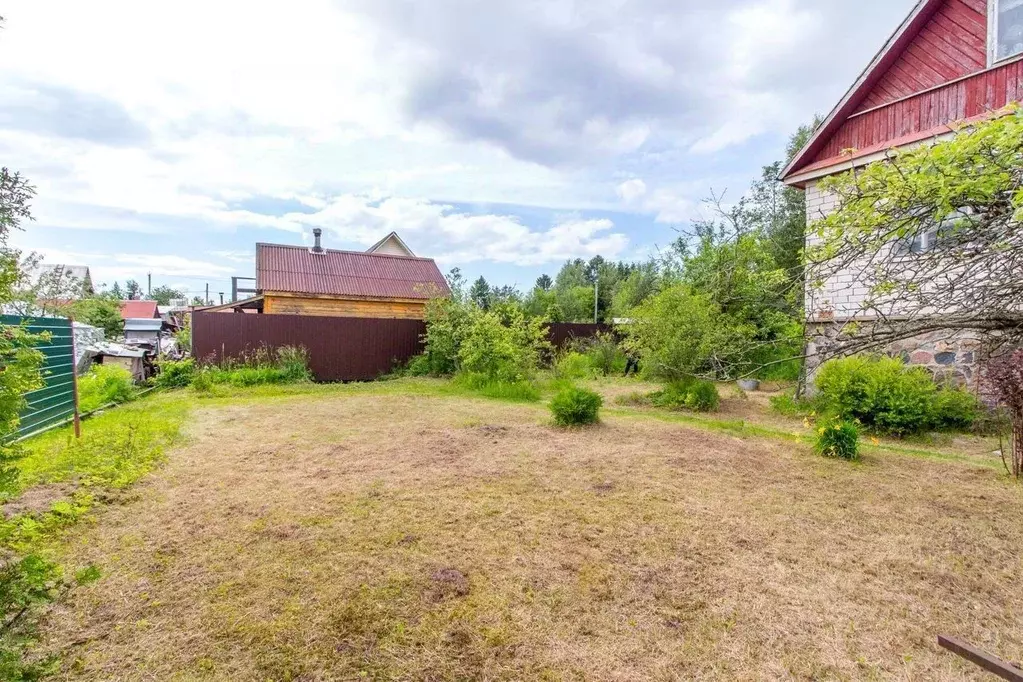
{"x": 560, "y": 333}
{"x": 340, "y": 348}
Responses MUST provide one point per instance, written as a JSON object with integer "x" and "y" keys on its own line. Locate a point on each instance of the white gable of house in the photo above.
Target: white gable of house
{"x": 391, "y": 245}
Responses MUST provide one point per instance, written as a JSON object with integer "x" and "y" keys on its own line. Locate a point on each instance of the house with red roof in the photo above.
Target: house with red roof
{"x": 388, "y": 281}
{"x": 950, "y": 62}
{"x": 133, "y": 310}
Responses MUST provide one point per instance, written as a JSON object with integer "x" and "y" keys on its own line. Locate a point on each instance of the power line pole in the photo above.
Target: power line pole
{"x": 221, "y": 297}
{"x": 206, "y": 301}
{"x": 149, "y": 285}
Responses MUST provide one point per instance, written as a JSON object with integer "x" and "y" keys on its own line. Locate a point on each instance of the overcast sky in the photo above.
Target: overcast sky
{"x": 503, "y": 137}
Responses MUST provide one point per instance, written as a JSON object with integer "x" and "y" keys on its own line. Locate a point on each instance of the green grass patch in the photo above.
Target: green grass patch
{"x": 60, "y": 479}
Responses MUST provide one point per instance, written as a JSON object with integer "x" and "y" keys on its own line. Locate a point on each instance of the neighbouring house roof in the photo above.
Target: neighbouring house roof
{"x": 393, "y": 245}
{"x": 297, "y": 270}
{"x": 139, "y": 309}
{"x": 939, "y": 43}
{"x": 79, "y": 273}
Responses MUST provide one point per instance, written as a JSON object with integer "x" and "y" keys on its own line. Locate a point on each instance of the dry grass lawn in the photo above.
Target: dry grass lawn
{"x": 388, "y": 536}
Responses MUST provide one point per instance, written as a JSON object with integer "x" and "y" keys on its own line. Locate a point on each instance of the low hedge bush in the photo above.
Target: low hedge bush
{"x": 574, "y": 406}
{"x": 889, "y": 397}
{"x": 690, "y": 394}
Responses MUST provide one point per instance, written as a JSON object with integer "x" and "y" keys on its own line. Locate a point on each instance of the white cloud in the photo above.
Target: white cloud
{"x": 380, "y": 114}
{"x": 459, "y": 237}
{"x": 630, "y": 190}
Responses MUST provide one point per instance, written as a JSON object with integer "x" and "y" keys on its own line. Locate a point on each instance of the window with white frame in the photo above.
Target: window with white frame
{"x": 941, "y": 233}
{"x": 1005, "y": 29}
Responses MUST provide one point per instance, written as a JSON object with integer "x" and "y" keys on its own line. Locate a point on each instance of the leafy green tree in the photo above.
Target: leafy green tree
{"x": 132, "y": 290}
{"x": 456, "y": 282}
{"x": 164, "y": 294}
{"x": 544, "y": 282}
{"x": 779, "y": 211}
{"x": 678, "y": 333}
{"x": 28, "y": 581}
{"x": 100, "y": 311}
{"x": 117, "y": 292}
{"x": 480, "y": 293}
{"x": 934, "y": 235}
{"x": 639, "y": 285}
{"x": 501, "y": 349}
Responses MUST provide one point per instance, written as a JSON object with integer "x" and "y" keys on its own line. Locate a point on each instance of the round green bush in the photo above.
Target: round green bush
{"x": 690, "y": 394}
{"x": 838, "y": 438}
{"x": 572, "y": 406}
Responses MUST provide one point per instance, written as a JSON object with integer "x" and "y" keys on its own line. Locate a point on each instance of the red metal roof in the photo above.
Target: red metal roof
{"x": 296, "y": 269}
{"x": 136, "y": 309}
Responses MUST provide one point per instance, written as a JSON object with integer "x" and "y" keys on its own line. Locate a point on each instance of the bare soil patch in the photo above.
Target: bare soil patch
{"x": 411, "y": 537}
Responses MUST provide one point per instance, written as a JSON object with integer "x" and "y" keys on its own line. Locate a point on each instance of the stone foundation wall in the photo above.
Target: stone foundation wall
{"x": 955, "y": 356}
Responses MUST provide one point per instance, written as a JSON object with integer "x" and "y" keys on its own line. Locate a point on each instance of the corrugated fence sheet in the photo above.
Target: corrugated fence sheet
{"x": 340, "y": 348}
{"x": 560, "y": 333}
{"x": 54, "y": 402}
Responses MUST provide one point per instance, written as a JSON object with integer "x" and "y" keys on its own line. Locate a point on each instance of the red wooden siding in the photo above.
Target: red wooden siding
{"x": 967, "y": 98}
{"x": 952, "y": 44}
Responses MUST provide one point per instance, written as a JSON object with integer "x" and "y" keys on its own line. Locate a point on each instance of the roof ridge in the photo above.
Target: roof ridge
{"x": 354, "y": 253}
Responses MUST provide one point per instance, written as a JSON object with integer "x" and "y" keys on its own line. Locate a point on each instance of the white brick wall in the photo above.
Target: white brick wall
{"x": 842, "y": 295}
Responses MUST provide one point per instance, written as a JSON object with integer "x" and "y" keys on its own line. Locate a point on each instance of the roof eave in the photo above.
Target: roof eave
{"x": 917, "y": 17}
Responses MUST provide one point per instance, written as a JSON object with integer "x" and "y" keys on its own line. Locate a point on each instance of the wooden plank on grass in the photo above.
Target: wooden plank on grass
{"x": 990, "y": 663}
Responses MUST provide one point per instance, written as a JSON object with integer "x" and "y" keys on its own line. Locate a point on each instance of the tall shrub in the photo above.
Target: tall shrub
{"x": 887, "y": 396}
{"x": 501, "y": 349}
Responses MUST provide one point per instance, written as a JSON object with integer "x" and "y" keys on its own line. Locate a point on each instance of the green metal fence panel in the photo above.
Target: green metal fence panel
{"x": 55, "y": 401}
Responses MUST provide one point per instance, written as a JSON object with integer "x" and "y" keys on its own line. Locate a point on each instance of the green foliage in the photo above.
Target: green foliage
{"x": 102, "y": 311}
{"x": 837, "y": 438}
{"x": 25, "y": 585}
{"x": 688, "y": 393}
{"x": 164, "y": 294}
{"x": 786, "y": 404}
{"x": 418, "y": 366}
{"x": 116, "y": 449}
{"x": 105, "y": 384}
{"x": 957, "y": 409}
{"x": 506, "y": 350}
{"x": 284, "y": 365}
{"x": 677, "y": 333}
{"x": 446, "y": 321}
{"x": 500, "y": 389}
{"x": 184, "y": 335}
{"x": 572, "y": 365}
{"x": 887, "y": 396}
{"x": 573, "y": 406}
{"x": 605, "y": 355}
{"x": 936, "y": 227}
{"x": 175, "y": 373}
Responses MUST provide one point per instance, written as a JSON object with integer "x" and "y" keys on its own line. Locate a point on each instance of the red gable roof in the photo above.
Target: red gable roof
{"x": 296, "y": 269}
{"x": 931, "y": 73}
{"x": 136, "y": 309}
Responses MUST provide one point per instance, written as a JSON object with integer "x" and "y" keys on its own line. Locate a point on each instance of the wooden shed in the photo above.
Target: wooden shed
{"x": 299, "y": 280}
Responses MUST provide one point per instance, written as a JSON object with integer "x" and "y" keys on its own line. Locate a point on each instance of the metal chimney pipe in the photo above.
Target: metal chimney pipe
{"x": 316, "y": 235}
